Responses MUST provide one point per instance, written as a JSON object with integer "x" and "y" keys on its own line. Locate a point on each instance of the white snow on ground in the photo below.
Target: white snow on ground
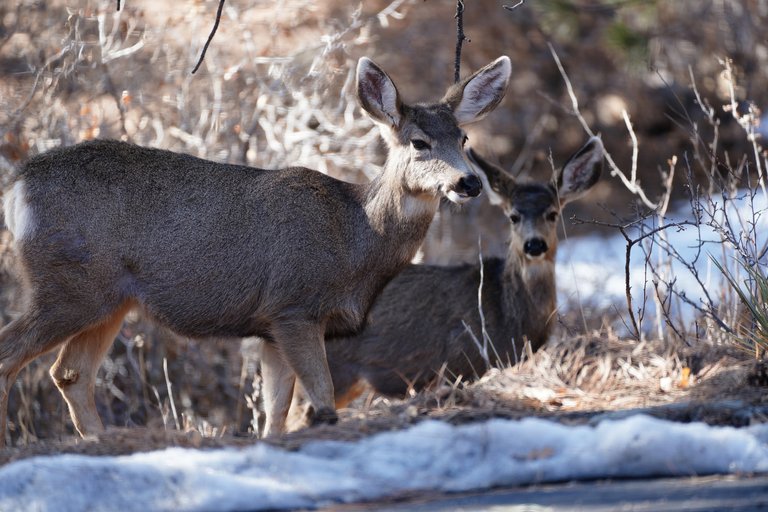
{"x": 429, "y": 456}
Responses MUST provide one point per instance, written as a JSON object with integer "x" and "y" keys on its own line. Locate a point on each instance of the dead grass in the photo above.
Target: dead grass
{"x": 582, "y": 380}
{"x": 595, "y": 373}
{"x": 576, "y": 381}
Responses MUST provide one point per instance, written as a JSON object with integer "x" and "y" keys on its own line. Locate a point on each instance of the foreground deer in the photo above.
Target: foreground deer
{"x": 415, "y": 328}
{"x": 210, "y": 249}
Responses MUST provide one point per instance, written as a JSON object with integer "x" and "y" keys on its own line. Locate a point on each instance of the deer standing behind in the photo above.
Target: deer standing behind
{"x": 211, "y": 249}
{"x": 415, "y": 328}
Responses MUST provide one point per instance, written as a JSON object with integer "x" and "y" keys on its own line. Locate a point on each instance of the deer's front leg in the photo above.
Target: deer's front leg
{"x": 302, "y": 347}
{"x": 278, "y": 381}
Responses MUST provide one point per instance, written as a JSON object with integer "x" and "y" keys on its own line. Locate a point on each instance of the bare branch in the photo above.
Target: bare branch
{"x": 460, "y": 38}
{"x": 748, "y": 121}
{"x": 513, "y": 7}
{"x": 631, "y": 242}
{"x": 631, "y": 184}
{"x": 210, "y": 36}
{"x": 633, "y": 171}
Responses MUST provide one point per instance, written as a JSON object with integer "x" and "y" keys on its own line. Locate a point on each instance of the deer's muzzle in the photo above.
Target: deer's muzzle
{"x": 535, "y": 247}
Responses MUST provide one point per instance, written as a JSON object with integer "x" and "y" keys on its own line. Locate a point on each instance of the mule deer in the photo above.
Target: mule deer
{"x": 211, "y": 249}
{"x": 416, "y": 327}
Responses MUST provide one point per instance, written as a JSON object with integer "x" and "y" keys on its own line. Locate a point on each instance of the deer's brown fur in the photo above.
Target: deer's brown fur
{"x": 211, "y": 249}
{"x": 416, "y": 327}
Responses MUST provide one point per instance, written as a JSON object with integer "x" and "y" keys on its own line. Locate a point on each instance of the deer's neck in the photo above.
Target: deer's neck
{"x": 530, "y": 296}
{"x": 398, "y": 217}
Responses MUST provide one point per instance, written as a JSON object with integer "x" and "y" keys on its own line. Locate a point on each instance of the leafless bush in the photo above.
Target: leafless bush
{"x": 694, "y": 284}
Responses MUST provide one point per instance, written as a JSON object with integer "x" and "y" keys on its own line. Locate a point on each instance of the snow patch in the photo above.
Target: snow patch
{"x": 429, "y": 456}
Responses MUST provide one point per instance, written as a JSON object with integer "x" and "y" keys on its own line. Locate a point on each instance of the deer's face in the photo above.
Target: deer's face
{"x": 426, "y": 141}
{"x": 533, "y": 211}
{"x": 430, "y": 144}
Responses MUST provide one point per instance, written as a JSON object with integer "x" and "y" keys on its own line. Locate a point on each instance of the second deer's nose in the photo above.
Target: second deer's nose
{"x": 470, "y": 185}
{"x": 535, "y": 247}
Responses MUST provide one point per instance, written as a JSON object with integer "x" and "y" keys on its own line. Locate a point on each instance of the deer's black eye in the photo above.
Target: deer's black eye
{"x": 552, "y": 216}
{"x": 514, "y": 218}
{"x": 419, "y": 145}
{"x": 464, "y": 141}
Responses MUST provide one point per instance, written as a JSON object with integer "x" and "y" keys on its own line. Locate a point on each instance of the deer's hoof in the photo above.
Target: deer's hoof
{"x": 324, "y": 416}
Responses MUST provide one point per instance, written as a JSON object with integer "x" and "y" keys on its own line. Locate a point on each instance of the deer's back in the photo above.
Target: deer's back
{"x": 208, "y": 248}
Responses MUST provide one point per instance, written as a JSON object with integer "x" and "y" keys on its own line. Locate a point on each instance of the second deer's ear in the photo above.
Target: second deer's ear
{"x": 475, "y": 97}
{"x": 581, "y": 171}
{"x": 377, "y": 94}
{"x": 496, "y": 181}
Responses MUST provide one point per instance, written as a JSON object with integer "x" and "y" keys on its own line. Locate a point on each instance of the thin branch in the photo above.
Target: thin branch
{"x": 487, "y": 341}
{"x": 633, "y": 172}
{"x": 632, "y": 185}
{"x": 513, "y": 7}
{"x": 663, "y": 313}
{"x": 210, "y": 36}
{"x": 631, "y": 242}
{"x": 460, "y": 38}
{"x": 696, "y": 138}
{"x": 169, "y": 387}
{"x": 747, "y": 121}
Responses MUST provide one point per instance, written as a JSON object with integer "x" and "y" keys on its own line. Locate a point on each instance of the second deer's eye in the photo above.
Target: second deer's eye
{"x": 514, "y": 218}
{"x": 419, "y": 145}
{"x": 552, "y": 216}
{"x": 464, "y": 141}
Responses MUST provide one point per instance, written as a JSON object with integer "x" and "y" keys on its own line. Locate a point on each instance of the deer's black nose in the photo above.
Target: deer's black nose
{"x": 470, "y": 185}
{"x": 535, "y": 247}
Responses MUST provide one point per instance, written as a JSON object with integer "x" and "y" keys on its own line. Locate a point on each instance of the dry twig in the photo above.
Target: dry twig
{"x": 210, "y": 36}
{"x": 460, "y": 38}
{"x": 631, "y": 184}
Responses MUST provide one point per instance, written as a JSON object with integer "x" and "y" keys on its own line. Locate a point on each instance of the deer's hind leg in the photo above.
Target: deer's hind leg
{"x": 17, "y": 347}
{"x": 35, "y": 332}
{"x": 85, "y": 318}
{"x": 74, "y": 371}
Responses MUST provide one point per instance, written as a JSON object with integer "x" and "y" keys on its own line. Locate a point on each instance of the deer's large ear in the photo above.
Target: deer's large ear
{"x": 581, "y": 171}
{"x": 377, "y": 94}
{"x": 476, "y": 96}
{"x": 496, "y": 181}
